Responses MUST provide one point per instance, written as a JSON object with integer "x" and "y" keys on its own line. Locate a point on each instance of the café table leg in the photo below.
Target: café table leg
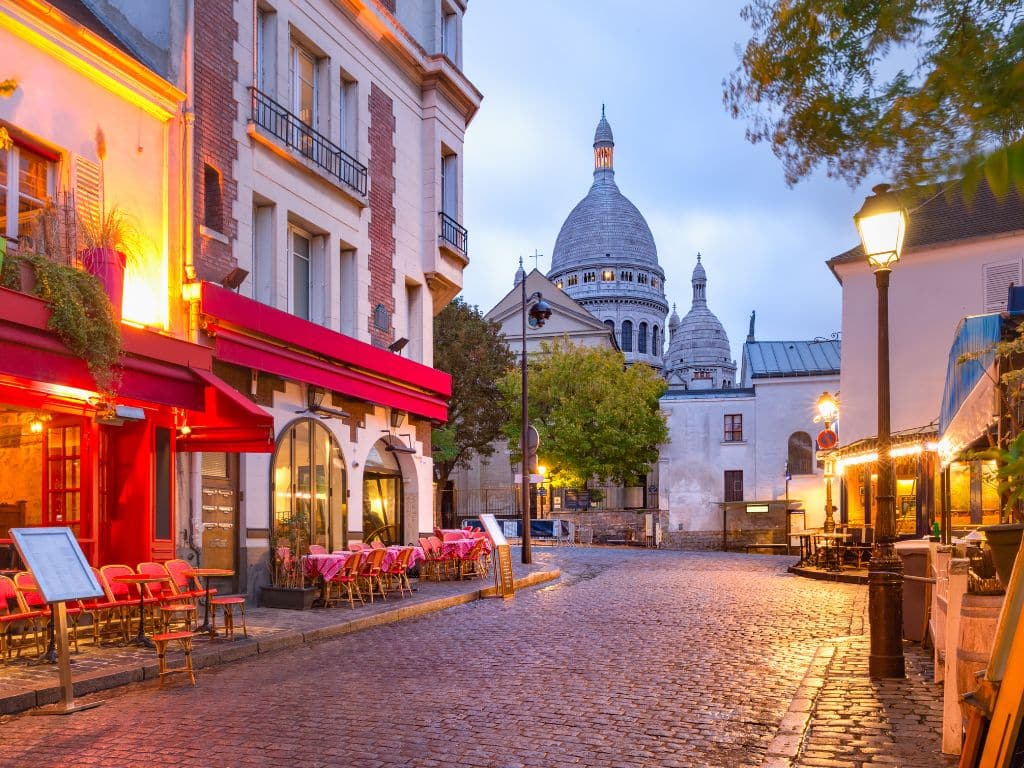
{"x": 50, "y": 654}
{"x": 206, "y": 626}
{"x": 140, "y": 637}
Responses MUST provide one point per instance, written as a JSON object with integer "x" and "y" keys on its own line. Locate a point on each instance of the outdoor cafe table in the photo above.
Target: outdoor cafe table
{"x": 138, "y": 580}
{"x": 208, "y": 573}
{"x": 831, "y": 544}
{"x": 327, "y": 566}
{"x": 462, "y": 547}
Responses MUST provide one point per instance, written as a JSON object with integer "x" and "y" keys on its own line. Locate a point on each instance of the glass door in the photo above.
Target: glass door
{"x": 62, "y": 478}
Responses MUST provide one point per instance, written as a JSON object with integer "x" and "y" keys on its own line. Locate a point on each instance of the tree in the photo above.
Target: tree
{"x": 596, "y": 417}
{"x": 920, "y": 90}
{"x": 474, "y": 352}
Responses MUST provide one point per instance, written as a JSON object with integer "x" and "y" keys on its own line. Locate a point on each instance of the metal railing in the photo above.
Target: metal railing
{"x": 296, "y": 135}
{"x": 453, "y": 232}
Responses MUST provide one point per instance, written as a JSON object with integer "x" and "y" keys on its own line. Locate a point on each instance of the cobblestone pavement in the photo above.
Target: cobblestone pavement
{"x": 635, "y": 658}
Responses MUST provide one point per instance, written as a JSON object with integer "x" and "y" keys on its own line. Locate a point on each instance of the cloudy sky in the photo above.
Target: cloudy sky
{"x": 546, "y": 66}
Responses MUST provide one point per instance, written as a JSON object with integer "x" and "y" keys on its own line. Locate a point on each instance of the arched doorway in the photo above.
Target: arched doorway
{"x": 308, "y": 488}
{"x": 383, "y": 498}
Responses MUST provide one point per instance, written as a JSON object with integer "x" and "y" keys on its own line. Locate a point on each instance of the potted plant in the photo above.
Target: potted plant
{"x": 111, "y": 245}
{"x": 289, "y": 538}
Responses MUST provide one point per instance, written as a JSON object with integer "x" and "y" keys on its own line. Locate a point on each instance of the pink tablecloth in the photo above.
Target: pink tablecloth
{"x": 462, "y": 547}
{"x": 327, "y": 566}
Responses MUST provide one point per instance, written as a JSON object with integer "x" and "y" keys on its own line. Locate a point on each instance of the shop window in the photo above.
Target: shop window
{"x": 308, "y": 488}
{"x": 800, "y": 454}
{"x": 162, "y": 484}
{"x": 733, "y": 485}
{"x": 733, "y": 428}
{"x": 382, "y": 496}
{"x": 64, "y": 478}
{"x": 26, "y": 180}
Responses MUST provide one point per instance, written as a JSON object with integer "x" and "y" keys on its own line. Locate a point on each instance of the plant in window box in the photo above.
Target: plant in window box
{"x": 112, "y": 245}
{"x": 289, "y": 540}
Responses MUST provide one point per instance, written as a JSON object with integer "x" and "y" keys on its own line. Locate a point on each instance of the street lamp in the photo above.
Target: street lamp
{"x": 882, "y": 223}
{"x": 539, "y": 312}
{"x": 828, "y": 410}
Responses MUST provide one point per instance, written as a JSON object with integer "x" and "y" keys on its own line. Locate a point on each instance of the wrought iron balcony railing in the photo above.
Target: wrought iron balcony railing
{"x": 296, "y": 135}
{"x": 453, "y": 233}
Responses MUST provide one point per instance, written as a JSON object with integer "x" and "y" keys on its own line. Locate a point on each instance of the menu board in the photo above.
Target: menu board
{"x": 57, "y": 563}
{"x": 504, "y": 580}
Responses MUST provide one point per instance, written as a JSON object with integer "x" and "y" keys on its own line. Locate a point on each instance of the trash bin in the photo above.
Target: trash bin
{"x": 914, "y": 555}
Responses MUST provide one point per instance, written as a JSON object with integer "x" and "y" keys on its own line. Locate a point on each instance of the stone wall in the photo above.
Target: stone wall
{"x": 615, "y": 525}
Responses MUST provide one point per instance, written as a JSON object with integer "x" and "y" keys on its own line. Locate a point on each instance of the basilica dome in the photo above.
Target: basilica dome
{"x": 699, "y": 355}
{"x": 606, "y": 260}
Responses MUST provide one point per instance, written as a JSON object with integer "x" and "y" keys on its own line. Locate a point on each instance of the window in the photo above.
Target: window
{"x": 654, "y": 282}
{"x": 655, "y": 342}
{"x": 733, "y": 427}
{"x": 998, "y": 279}
{"x": 308, "y": 484}
{"x": 573, "y": 280}
{"x": 642, "y": 278}
{"x": 300, "y": 245}
{"x": 263, "y": 76}
{"x": 263, "y": 249}
{"x": 734, "y": 485}
{"x": 304, "y": 85}
{"x": 589, "y": 277}
{"x": 349, "y": 277}
{"x": 26, "y": 179}
{"x": 449, "y": 184}
{"x": 213, "y": 204}
{"x": 450, "y": 34}
{"x": 348, "y": 117}
{"x": 608, "y": 275}
{"x": 559, "y": 285}
{"x": 641, "y": 339}
{"x": 627, "y": 336}
{"x": 611, "y": 326}
{"x": 702, "y": 373}
{"x": 626, "y": 276}
{"x": 801, "y": 454}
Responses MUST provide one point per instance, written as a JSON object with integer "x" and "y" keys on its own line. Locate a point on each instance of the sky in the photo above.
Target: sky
{"x": 546, "y": 66}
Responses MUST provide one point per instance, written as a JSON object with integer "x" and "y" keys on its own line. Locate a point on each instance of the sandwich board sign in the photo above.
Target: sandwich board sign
{"x": 61, "y": 573}
{"x": 504, "y": 583}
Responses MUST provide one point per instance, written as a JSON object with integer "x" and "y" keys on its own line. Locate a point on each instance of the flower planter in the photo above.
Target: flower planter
{"x": 26, "y": 277}
{"x": 290, "y": 598}
{"x": 1004, "y": 540}
{"x": 107, "y": 266}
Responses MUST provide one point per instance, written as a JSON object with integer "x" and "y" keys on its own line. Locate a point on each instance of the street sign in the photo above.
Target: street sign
{"x": 532, "y": 439}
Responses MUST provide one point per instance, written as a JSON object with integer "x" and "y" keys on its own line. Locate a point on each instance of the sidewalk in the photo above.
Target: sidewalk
{"x": 24, "y": 685}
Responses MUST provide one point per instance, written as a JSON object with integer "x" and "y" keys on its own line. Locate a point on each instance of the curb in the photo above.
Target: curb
{"x": 789, "y": 738}
{"x": 841, "y": 578}
{"x": 13, "y": 702}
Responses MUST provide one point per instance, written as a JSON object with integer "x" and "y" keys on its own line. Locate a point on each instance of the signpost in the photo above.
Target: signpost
{"x": 504, "y": 582}
{"x": 61, "y": 573}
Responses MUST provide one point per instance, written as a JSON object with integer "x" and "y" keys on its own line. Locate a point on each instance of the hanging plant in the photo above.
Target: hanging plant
{"x": 80, "y": 313}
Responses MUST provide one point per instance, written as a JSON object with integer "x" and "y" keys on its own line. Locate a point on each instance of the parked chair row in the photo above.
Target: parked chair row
{"x": 364, "y": 573}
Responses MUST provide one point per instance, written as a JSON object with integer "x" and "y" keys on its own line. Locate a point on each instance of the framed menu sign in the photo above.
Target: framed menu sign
{"x": 57, "y": 563}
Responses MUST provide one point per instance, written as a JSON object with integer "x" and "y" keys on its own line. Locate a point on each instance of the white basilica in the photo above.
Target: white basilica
{"x": 731, "y": 439}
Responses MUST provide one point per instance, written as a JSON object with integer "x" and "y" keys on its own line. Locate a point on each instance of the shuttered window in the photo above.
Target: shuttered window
{"x": 998, "y": 278}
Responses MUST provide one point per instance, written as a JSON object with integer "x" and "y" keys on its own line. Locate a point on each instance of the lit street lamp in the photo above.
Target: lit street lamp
{"x": 882, "y": 223}
{"x": 539, "y": 312}
{"x": 828, "y": 410}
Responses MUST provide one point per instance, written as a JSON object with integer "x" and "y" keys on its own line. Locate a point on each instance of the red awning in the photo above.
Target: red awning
{"x": 228, "y": 422}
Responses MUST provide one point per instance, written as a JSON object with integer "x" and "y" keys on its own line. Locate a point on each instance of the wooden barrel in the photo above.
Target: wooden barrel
{"x": 979, "y": 615}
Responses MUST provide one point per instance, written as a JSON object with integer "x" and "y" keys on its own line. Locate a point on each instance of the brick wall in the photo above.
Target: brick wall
{"x": 216, "y": 109}
{"x": 382, "y": 210}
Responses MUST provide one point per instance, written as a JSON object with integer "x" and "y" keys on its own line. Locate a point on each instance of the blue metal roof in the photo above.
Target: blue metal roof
{"x": 977, "y": 336}
{"x": 770, "y": 359}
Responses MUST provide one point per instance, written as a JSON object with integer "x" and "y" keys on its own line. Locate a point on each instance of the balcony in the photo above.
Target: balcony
{"x": 288, "y": 129}
{"x": 453, "y": 236}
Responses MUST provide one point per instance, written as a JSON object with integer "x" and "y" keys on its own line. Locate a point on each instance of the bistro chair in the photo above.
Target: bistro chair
{"x": 186, "y": 586}
{"x": 14, "y": 622}
{"x": 184, "y": 641}
{"x": 445, "y": 563}
{"x": 377, "y": 544}
{"x": 472, "y": 564}
{"x": 317, "y": 549}
{"x": 170, "y": 604}
{"x": 399, "y": 571}
{"x": 371, "y": 572}
{"x": 227, "y": 605}
{"x": 105, "y": 611}
{"x": 30, "y": 599}
{"x": 348, "y": 579}
{"x": 128, "y": 594}
{"x": 452, "y": 536}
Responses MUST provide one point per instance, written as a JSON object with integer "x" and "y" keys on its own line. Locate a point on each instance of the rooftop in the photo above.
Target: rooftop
{"x": 772, "y": 359}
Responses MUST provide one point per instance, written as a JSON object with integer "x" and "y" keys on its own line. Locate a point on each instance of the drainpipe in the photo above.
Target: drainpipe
{"x": 188, "y": 169}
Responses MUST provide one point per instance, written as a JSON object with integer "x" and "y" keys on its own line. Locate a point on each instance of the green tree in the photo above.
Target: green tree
{"x": 597, "y": 419}
{"x": 474, "y": 352}
{"x": 920, "y": 90}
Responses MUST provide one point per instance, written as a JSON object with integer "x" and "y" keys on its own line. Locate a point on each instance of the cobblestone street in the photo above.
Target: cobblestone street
{"x": 634, "y": 658}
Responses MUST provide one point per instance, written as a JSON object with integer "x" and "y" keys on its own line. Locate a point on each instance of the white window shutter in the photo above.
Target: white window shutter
{"x": 85, "y": 182}
{"x": 998, "y": 278}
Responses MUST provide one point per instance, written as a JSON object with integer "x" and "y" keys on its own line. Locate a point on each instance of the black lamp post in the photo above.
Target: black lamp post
{"x": 828, "y": 409}
{"x": 882, "y": 223}
{"x": 539, "y": 312}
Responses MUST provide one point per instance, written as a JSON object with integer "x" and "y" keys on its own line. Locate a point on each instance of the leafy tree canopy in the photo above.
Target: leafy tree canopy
{"x": 919, "y": 90}
{"x": 473, "y": 350}
{"x": 596, "y": 417}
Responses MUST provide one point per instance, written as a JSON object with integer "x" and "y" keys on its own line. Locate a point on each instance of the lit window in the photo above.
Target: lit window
{"x": 608, "y": 275}
{"x": 25, "y": 179}
{"x": 654, "y": 282}
{"x": 589, "y": 277}
{"x": 559, "y": 285}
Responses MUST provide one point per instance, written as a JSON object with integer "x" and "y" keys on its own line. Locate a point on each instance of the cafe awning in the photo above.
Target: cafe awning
{"x": 228, "y": 421}
{"x": 969, "y": 404}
